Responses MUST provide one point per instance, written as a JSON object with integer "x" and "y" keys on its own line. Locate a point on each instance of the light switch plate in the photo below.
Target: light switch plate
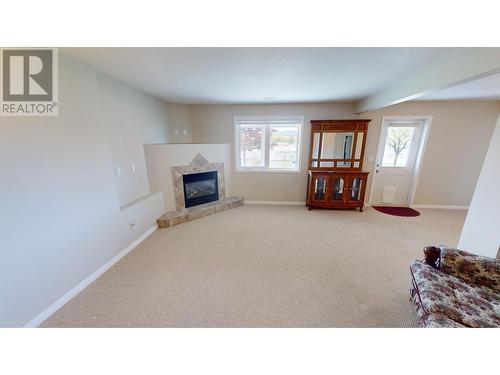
{"x": 132, "y": 167}
{"x": 185, "y": 132}
{"x": 176, "y": 131}
{"x": 118, "y": 170}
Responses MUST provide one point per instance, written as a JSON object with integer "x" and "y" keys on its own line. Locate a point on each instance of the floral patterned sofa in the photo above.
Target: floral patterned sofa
{"x": 453, "y": 288}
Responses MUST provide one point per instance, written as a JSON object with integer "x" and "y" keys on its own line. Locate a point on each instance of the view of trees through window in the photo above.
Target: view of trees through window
{"x": 269, "y": 146}
{"x": 251, "y": 146}
{"x": 283, "y": 148}
{"x": 397, "y": 146}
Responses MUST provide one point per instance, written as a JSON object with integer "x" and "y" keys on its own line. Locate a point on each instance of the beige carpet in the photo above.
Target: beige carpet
{"x": 267, "y": 266}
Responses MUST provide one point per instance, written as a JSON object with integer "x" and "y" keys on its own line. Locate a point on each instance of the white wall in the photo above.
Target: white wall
{"x": 160, "y": 158}
{"x": 61, "y": 212}
{"x": 132, "y": 118}
{"x": 455, "y": 150}
{"x": 179, "y": 121}
{"x": 481, "y": 233}
{"x": 456, "y": 147}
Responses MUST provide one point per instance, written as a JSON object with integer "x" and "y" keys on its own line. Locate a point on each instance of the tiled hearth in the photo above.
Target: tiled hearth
{"x": 178, "y": 217}
{"x": 182, "y": 214}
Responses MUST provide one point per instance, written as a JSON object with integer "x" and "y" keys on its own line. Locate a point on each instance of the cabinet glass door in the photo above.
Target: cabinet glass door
{"x": 356, "y": 188}
{"x": 338, "y": 186}
{"x": 320, "y": 184}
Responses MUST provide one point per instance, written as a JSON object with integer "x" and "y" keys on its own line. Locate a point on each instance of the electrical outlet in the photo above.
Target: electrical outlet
{"x": 132, "y": 224}
{"x": 118, "y": 170}
{"x": 176, "y": 131}
{"x": 132, "y": 167}
{"x": 185, "y": 132}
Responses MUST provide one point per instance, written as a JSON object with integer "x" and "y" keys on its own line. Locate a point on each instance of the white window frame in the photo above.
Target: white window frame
{"x": 266, "y": 120}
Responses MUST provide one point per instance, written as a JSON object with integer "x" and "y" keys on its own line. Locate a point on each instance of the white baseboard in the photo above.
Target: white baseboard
{"x": 440, "y": 206}
{"x": 44, "y": 315}
{"x": 276, "y": 203}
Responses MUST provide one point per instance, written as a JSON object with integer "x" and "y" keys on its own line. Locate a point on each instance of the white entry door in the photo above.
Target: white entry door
{"x": 395, "y": 162}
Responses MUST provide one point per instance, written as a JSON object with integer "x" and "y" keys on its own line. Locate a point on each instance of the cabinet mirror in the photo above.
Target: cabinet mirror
{"x": 337, "y": 149}
{"x": 337, "y": 145}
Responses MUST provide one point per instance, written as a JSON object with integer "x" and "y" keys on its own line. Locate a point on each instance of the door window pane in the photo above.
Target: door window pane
{"x": 338, "y": 189}
{"x": 343, "y": 164}
{"x": 319, "y": 188}
{"x": 356, "y": 189}
{"x": 359, "y": 145}
{"x": 315, "y": 154}
{"x": 252, "y": 146}
{"x": 283, "y": 147}
{"x": 397, "y": 146}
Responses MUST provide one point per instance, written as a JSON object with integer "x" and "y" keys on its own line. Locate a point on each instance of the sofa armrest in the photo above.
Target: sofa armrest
{"x": 470, "y": 268}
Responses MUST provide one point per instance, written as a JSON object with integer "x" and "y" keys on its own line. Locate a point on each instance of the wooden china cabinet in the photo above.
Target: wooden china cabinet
{"x": 336, "y": 179}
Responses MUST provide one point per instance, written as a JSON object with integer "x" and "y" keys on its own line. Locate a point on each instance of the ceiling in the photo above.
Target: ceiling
{"x": 261, "y": 75}
{"x": 483, "y": 88}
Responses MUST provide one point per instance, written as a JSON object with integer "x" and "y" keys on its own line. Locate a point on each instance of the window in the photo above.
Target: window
{"x": 267, "y": 144}
{"x": 397, "y": 146}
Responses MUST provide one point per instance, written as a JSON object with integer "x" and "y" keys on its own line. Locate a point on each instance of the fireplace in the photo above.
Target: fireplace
{"x": 200, "y": 188}
{"x": 198, "y": 165}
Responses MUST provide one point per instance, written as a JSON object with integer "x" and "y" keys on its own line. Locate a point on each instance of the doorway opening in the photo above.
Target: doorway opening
{"x": 399, "y": 157}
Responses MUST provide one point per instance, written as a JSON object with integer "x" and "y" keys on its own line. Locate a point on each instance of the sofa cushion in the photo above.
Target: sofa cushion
{"x": 473, "y": 269}
{"x": 443, "y": 294}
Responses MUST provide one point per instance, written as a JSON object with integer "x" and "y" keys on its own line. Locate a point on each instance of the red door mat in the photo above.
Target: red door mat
{"x": 397, "y": 211}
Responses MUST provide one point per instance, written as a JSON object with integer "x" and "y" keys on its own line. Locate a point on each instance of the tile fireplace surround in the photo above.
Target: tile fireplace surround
{"x": 183, "y": 214}
{"x": 199, "y": 164}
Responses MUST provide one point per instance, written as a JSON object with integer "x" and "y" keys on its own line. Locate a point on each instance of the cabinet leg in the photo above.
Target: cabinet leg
{"x": 361, "y": 209}
{"x": 309, "y": 208}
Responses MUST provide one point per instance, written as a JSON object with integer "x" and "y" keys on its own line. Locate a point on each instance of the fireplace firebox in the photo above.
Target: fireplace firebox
{"x": 200, "y": 188}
